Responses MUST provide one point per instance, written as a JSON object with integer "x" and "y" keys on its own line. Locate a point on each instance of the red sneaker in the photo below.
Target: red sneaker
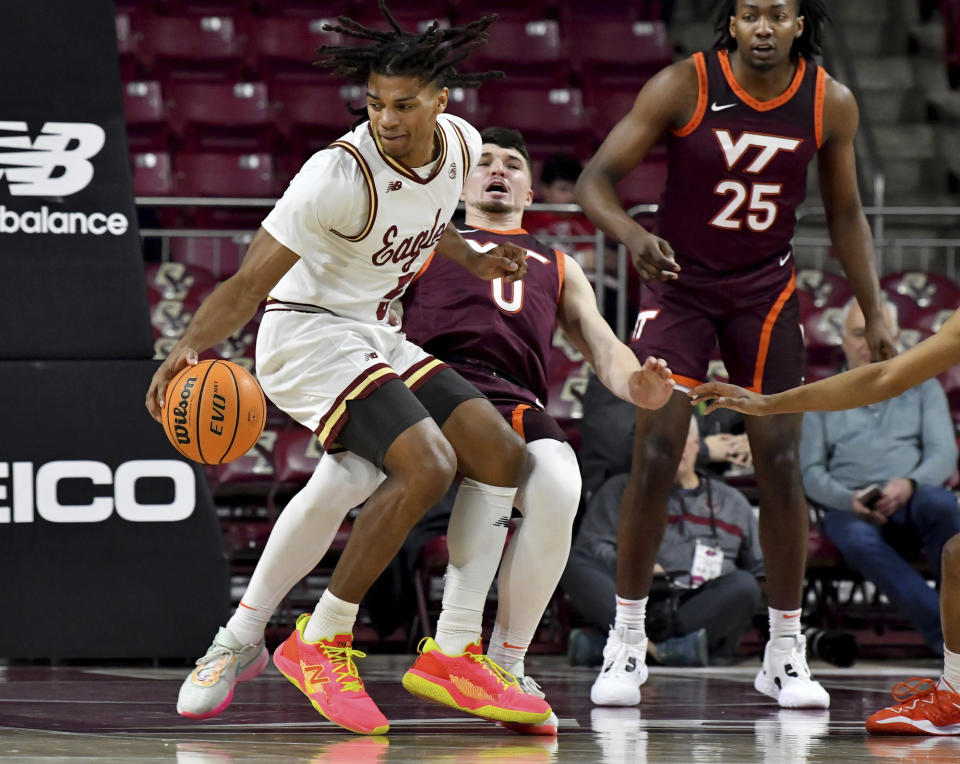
{"x": 473, "y": 683}
{"x": 923, "y": 709}
{"x": 324, "y": 671}
{"x": 546, "y": 728}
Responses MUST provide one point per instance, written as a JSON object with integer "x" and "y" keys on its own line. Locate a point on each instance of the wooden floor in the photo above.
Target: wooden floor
{"x": 123, "y": 714}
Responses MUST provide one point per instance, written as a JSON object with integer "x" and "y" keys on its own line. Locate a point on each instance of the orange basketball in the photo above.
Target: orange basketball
{"x": 214, "y": 411}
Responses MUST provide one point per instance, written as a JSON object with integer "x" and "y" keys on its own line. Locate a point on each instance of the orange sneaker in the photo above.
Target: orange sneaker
{"x": 473, "y": 683}
{"x": 924, "y": 708}
{"x": 324, "y": 671}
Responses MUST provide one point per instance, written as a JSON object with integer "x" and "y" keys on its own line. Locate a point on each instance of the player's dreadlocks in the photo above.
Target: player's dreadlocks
{"x": 431, "y": 55}
{"x": 808, "y": 45}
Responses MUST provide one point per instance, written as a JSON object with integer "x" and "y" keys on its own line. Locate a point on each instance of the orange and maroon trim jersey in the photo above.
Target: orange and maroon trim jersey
{"x": 503, "y": 329}
{"x": 738, "y": 169}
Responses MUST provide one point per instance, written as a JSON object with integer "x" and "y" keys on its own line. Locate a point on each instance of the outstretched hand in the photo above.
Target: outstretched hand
{"x": 652, "y": 386}
{"x": 506, "y": 261}
{"x": 156, "y": 393}
{"x": 723, "y": 395}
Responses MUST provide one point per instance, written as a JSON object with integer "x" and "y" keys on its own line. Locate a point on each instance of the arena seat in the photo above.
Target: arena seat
{"x": 190, "y": 47}
{"x": 178, "y": 281}
{"x": 931, "y": 319}
{"x": 527, "y": 51}
{"x": 465, "y": 103}
{"x": 251, "y": 475}
{"x": 152, "y": 173}
{"x": 644, "y": 184}
{"x": 468, "y": 10}
{"x": 822, "y": 335}
{"x": 312, "y": 115}
{"x": 228, "y": 116}
{"x": 412, "y": 15}
{"x": 286, "y": 47}
{"x": 126, "y": 46}
{"x": 623, "y": 51}
{"x": 606, "y": 105}
{"x": 916, "y": 291}
{"x": 550, "y": 119}
{"x": 224, "y": 174}
{"x": 305, "y": 8}
{"x": 818, "y": 289}
{"x": 146, "y": 116}
{"x": 220, "y": 255}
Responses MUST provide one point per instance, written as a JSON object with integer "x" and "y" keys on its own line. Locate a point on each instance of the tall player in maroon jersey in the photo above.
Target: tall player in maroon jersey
{"x": 498, "y": 336}
{"x": 741, "y": 123}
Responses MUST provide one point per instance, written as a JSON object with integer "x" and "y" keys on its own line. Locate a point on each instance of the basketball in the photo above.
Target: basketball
{"x": 214, "y": 411}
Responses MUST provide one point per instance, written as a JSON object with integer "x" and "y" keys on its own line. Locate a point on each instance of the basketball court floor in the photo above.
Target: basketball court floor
{"x": 707, "y": 716}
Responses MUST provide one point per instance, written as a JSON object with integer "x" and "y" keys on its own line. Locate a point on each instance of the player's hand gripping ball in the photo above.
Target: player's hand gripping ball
{"x": 214, "y": 411}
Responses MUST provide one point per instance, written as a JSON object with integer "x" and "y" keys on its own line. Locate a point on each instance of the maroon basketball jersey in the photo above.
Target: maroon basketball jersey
{"x": 506, "y": 329}
{"x": 738, "y": 169}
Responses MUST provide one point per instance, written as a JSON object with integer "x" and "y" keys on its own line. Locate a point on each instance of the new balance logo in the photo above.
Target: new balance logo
{"x": 394, "y": 185}
{"x": 369, "y": 356}
{"x": 503, "y": 522}
{"x": 47, "y": 167}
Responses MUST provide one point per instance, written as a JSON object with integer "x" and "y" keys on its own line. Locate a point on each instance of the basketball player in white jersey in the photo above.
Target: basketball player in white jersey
{"x": 351, "y": 231}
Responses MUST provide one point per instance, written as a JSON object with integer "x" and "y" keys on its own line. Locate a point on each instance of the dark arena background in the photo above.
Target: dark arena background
{"x": 141, "y": 144}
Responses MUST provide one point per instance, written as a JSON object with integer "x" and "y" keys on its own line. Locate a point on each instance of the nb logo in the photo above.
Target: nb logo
{"x": 369, "y": 356}
{"x": 394, "y": 185}
{"x": 55, "y": 164}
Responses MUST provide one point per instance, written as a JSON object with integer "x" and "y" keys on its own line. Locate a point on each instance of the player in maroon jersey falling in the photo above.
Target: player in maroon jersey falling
{"x": 499, "y": 336}
{"x": 741, "y": 122}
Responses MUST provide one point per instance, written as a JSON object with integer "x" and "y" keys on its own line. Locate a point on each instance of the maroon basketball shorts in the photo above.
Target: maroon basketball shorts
{"x": 520, "y": 407}
{"x": 752, "y": 315}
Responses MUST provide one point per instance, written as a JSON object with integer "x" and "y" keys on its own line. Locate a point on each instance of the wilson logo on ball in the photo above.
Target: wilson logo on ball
{"x": 181, "y": 411}
{"x": 215, "y": 412}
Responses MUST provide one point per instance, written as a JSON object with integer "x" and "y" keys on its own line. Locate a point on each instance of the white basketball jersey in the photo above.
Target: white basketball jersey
{"x": 363, "y": 223}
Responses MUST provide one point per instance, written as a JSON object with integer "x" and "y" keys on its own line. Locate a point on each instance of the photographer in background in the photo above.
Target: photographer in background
{"x": 878, "y": 473}
{"x": 710, "y": 551}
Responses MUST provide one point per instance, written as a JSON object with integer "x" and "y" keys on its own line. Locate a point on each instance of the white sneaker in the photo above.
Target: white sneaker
{"x": 209, "y": 688}
{"x": 624, "y": 669}
{"x": 785, "y": 676}
{"x": 549, "y": 727}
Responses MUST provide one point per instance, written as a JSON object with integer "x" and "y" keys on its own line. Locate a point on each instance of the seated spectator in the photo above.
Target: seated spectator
{"x": 710, "y": 550}
{"x": 905, "y": 446}
{"x": 607, "y": 431}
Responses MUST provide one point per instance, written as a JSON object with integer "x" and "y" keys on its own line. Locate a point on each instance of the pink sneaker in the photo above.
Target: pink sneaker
{"x": 473, "y": 683}
{"x": 324, "y": 671}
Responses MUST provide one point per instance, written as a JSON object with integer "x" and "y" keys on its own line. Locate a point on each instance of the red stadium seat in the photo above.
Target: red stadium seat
{"x": 818, "y": 289}
{"x": 916, "y": 291}
{"x": 224, "y": 175}
{"x": 233, "y": 116}
{"x": 126, "y": 46}
{"x": 411, "y": 15}
{"x": 286, "y": 47}
{"x": 191, "y": 47}
{"x": 927, "y": 290}
{"x": 823, "y": 336}
{"x": 251, "y": 475}
{"x": 645, "y": 184}
{"x": 312, "y": 115}
{"x": 551, "y": 119}
{"x": 306, "y": 8}
{"x": 468, "y": 10}
{"x": 178, "y": 281}
{"x": 527, "y": 51}
{"x": 146, "y": 116}
{"x": 606, "y": 105}
{"x": 220, "y": 255}
{"x": 931, "y": 319}
{"x": 152, "y": 174}
{"x": 464, "y": 102}
{"x": 622, "y": 51}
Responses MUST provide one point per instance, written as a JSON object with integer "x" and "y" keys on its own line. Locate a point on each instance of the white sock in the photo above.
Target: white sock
{"x": 951, "y": 670}
{"x": 632, "y": 614}
{"x": 475, "y": 536}
{"x": 301, "y": 536}
{"x": 783, "y": 623}
{"x": 332, "y": 616}
{"x": 537, "y": 554}
{"x": 506, "y": 649}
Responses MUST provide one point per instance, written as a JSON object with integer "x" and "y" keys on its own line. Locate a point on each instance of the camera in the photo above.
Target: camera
{"x": 836, "y": 647}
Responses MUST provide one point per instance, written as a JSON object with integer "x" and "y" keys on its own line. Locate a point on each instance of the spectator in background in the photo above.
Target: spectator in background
{"x": 905, "y": 446}
{"x": 607, "y": 431}
{"x": 558, "y": 178}
{"x": 711, "y": 549}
